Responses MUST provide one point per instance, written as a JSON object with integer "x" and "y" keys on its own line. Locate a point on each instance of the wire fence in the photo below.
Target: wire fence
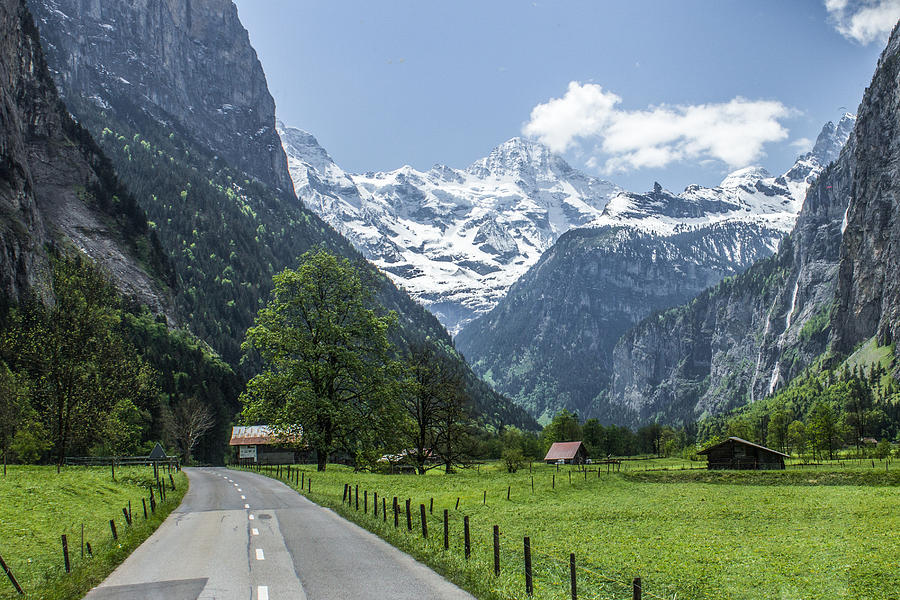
{"x": 551, "y": 574}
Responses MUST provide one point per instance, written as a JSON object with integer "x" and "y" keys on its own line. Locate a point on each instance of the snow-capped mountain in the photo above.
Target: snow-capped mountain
{"x": 749, "y": 195}
{"x": 456, "y": 239}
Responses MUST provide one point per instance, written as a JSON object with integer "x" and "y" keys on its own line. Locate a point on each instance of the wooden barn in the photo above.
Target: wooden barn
{"x": 573, "y": 453}
{"x": 735, "y": 453}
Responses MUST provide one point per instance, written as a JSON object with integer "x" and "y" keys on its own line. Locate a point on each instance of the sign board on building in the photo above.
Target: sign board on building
{"x": 248, "y": 452}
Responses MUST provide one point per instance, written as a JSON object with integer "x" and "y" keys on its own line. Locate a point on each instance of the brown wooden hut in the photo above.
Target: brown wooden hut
{"x": 736, "y": 453}
{"x": 573, "y": 453}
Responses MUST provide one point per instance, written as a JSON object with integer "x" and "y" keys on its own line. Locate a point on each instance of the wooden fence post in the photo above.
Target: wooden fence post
{"x": 90, "y": 551}
{"x": 65, "y": 544}
{"x": 572, "y": 576}
{"x": 112, "y": 526}
{"x": 302, "y": 480}
{"x": 446, "y": 531}
{"x": 344, "y": 497}
{"x": 484, "y": 500}
{"x": 384, "y": 509}
{"x": 529, "y": 583}
{"x": 408, "y": 516}
{"x": 375, "y": 505}
{"x": 457, "y": 503}
{"x": 497, "y": 550}
{"x": 357, "y": 496}
{"x": 508, "y": 489}
{"x": 127, "y": 518}
{"x": 554, "y": 481}
{"x": 636, "y": 588}
{"x": 366, "y": 501}
{"x": 396, "y": 513}
{"x": 172, "y": 481}
{"x": 144, "y": 502}
{"x": 12, "y": 577}
{"x": 424, "y": 521}
{"x": 466, "y": 538}
{"x": 431, "y": 507}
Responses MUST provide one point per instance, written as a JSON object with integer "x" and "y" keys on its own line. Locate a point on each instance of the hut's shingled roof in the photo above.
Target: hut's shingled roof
{"x": 745, "y": 442}
{"x": 563, "y": 450}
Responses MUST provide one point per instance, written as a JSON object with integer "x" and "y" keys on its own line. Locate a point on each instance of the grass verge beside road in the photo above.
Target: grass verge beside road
{"x": 38, "y": 506}
{"x": 822, "y": 533}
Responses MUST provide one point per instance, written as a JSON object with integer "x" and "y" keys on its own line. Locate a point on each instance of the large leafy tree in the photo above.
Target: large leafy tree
{"x": 327, "y": 371}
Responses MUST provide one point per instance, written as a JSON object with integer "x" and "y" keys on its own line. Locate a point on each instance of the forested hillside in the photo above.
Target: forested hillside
{"x": 85, "y": 366}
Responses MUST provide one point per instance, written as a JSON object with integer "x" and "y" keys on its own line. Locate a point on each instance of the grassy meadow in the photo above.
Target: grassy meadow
{"x": 37, "y": 506}
{"x": 818, "y": 532}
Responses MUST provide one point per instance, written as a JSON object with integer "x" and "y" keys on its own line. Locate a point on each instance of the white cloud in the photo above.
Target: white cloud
{"x": 864, "y": 21}
{"x": 583, "y": 111}
{"x": 801, "y": 145}
{"x": 733, "y": 132}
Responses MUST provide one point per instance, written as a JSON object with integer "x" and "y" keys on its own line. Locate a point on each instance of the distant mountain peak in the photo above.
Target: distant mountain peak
{"x": 518, "y": 157}
{"x": 744, "y": 176}
{"x": 832, "y": 138}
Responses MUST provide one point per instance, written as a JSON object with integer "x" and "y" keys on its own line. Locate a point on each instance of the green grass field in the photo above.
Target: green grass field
{"x": 37, "y": 507}
{"x": 824, "y": 532}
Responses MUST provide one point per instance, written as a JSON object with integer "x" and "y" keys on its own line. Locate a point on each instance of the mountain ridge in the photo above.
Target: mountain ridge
{"x": 591, "y": 287}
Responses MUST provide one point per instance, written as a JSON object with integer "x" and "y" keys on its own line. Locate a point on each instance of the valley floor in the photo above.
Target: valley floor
{"x": 814, "y": 532}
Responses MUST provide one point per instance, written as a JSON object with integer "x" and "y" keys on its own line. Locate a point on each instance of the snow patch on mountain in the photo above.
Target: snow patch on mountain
{"x": 749, "y": 195}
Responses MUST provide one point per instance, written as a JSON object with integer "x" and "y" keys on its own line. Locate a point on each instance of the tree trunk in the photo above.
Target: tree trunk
{"x": 321, "y": 460}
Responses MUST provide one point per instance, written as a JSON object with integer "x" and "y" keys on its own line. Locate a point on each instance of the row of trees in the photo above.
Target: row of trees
{"x": 71, "y": 382}
{"x": 819, "y": 413}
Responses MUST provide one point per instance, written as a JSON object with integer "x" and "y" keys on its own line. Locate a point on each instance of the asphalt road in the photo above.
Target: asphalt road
{"x": 242, "y": 535}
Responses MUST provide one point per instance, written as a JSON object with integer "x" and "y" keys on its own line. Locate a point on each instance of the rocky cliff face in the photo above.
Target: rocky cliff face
{"x": 549, "y": 343}
{"x": 831, "y": 280}
{"x": 22, "y": 230}
{"x": 868, "y": 288}
{"x": 176, "y": 60}
{"x": 55, "y": 185}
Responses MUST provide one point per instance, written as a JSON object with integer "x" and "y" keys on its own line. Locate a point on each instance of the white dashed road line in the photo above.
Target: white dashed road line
{"x": 260, "y": 555}
{"x": 254, "y": 531}
{"x": 246, "y": 506}
{"x": 262, "y": 593}
{"x": 252, "y": 517}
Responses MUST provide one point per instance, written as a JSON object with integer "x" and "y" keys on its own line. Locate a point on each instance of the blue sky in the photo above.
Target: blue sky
{"x": 635, "y": 92}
